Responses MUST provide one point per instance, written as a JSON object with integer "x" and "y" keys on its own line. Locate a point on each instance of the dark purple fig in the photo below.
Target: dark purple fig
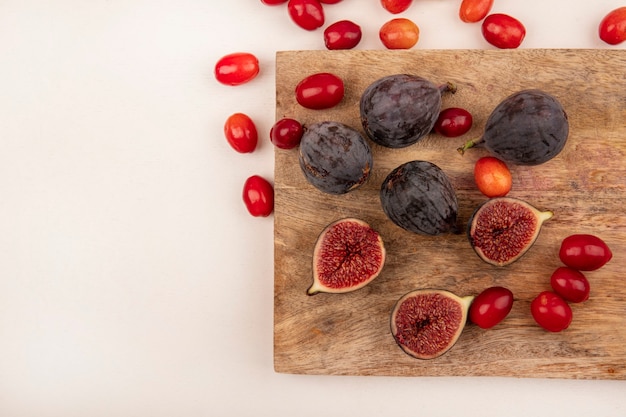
{"x": 348, "y": 255}
{"x": 334, "y": 157}
{"x": 529, "y": 127}
{"x": 502, "y": 229}
{"x": 418, "y": 197}
{"x": 398, "y": 110}
{"x": 427, "y": 323}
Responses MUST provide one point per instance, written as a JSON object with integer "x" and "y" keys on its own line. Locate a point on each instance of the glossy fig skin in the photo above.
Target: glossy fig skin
{"x": 398, "y": 110}
{"x": 529, "y": 127}
{"x": 418, "y": 197}
{"x": 334, "y": 157}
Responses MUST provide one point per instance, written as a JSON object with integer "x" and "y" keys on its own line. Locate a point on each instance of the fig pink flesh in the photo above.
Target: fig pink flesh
{"x": 503, "y": 229}
{"x": 348, "y": 254}
{"x": 427, "y": 323}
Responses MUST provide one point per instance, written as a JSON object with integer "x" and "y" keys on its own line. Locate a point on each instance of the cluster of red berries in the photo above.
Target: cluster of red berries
{"x": 578, "y": 252}
{"x": 242, "y": 135}
{"x": 499, "y": 29}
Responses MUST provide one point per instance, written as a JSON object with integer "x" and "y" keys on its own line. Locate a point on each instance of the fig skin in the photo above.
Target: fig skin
{"x": 529, "y": 127}
{"x": 398, "y": 110}
{"x": 426, "y": 323}
{"x": 418, "y": 197}
{"x": 348, "y": 255}
{"x": 516, "y": 217}
{"x": 334, "y": 157}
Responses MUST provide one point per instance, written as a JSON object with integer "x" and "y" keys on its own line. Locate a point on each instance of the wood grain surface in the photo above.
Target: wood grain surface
{"x": 585, "y": 186}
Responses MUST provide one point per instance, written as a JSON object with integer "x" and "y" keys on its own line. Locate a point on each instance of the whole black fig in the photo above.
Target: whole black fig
{"x": 529, "y": 127}
{"x": 419, "y": 197}
{"x": 334, "y": 157}
{"x": 398, "y": 110}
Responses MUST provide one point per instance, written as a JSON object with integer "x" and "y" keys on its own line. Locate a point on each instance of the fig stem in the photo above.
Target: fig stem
{"x": 467, "y": 301}
{"x": 470, "y": 144}
{"x": 545, "y": 215}
{"x": 448, "y": 87}
{"x": 313, "y": 289}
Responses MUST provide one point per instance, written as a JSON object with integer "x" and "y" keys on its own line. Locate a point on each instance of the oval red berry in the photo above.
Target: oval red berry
{"x": 241, "y": 133}
{"x": 472, "y": 11}
{"x": 236, "y": 68}
{"x": 584, "y": 252}
{"x": 570, "y": 284}
{"x": 491, "y": 306}
{"x": 258, "y": 196}
{"x": 612, "y": 28}
{"x": 320, "y": 91}
{"x": 492, "y": 176}
{"x": 503, "y": 31}
{"x": 399, "y": 33}
{"x": 396, "y": 6}
{"x": 343, "y": 34}
{"x": 453, "y": 122}
{"x": 286, "y": 133}
{"x": 308, "y": 14}
{"x": 551, "y": 311}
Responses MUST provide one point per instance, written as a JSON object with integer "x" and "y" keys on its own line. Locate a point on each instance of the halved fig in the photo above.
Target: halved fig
{"x": 426, "y": 323}
{"x": 502, "y": 229}
{"x": 348, "y": 255}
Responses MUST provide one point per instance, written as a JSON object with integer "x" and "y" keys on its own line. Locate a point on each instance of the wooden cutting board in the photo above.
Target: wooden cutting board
{"x": 585, "y": 186}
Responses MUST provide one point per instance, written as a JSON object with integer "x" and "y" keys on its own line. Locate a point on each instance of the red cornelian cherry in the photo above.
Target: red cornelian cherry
{"x": 472, "y": 11}
{"x": 571, "y": 284}
{"x": 551, "y": 311}
{"x": 503, "y": 31}
{"x": 453, "y": 122}
{"x": 258, "y": 196}
{"x": 399, "y": 33}
{"x": 308, "y": 14}
{"x": 321, "y": 90}
{"x": 396, "y": 6}
{"x": 330, "y": 1}
{"x": 612, "y": 28}
{"x": 236, "y": 68}
{"x": 492, "y": 177}
{"x": 584, "y": 252}
{"x": 491, "y": 306}
{"x": 286, "y": 133}
{"x": 241, "y": 133}
{"x": 273, "y": 2}
{"x": 343, "y": 34}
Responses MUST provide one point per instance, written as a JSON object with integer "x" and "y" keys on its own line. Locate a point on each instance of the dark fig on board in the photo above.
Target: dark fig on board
{"x": 426, "y": 323}
{"x": 348, "y": 255}
{"x": 529, "y": 127}
{"x": 334, "y": 157}
{"x": 419, "y": 197}
{"x": 502, "y": 229}
{"x": 398, "y": 110}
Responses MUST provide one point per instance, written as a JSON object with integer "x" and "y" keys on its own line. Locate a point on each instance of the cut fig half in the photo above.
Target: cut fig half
{"x": 426, "y": 323}
{"x": 502, "y": 229}
{"x": 347, "y": 256}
